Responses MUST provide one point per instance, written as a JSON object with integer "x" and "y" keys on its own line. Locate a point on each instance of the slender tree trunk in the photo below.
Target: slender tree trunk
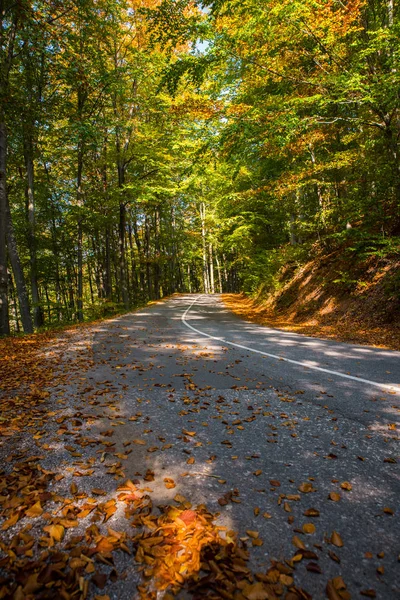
{"x": 90, "y": 283}
{"x": 147, "y": 254}
{"x": 133, "y": 263}
{"x": 391, "y": 12}
{"x": 319, "y": 190}
{"x": 206, "y": 281}
{"x": 107, "y": 267}
{"x": 4, "y": 320}
{"x": 121, "y": 230}
{"x": 18, "y": 274}
{"x": 79, "y": 300}
{"x": 122, "y": 255}
{"x": 225, "y": 271}
{"x": 219, "y": 272}
{"x": 97, "y": 268}
{"x": 212, "y": 286}
{"x": 13, "y": 297}
{"x": 156, "y": 269}
{"x": 30, "y": 196}
{"x": 57, "y": 263}
{"x": 48, "y": 303}
{"x": 71, "y": 293}
{"x": 141, "y": 257}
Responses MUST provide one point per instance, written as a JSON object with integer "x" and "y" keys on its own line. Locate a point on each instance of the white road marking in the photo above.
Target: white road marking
{"x": 385, "y": 386}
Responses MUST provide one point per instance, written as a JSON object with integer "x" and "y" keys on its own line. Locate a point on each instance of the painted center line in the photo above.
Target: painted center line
{"x": 306, "y": 364}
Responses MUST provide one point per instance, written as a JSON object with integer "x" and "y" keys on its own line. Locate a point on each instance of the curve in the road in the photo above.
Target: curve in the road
{"x": 391, "y": 388}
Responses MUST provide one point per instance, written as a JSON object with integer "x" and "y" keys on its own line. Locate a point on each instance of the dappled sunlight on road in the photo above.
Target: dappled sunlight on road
{"x": 171, "y": 464}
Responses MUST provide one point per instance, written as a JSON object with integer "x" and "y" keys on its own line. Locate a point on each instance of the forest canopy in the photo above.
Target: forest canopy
{"x": 149, "y": 147}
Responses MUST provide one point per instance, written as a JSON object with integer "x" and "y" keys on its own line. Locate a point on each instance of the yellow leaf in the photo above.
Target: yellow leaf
{"x": 35, "y": 511}
{"x": 346, "y": 486}
{"x": 286, "y": 579}
{"x": 308, "y": 528}
{"x": 306, "y": 487}
{"x": 296, "y": 541}
{"x": 179, "y": 498}
{"x": 336, "y": 540}
{"x": 99, "y": 492}
{"x": 11, "y": 521}
{"x": 255, "y": 591}
{"x": 252, "y": 534}
{"x": 55, "y": 531}
{"x": 334, "y": 496}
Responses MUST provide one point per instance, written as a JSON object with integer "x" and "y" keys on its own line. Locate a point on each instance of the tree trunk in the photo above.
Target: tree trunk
{"x": 219, "y": 272}
{"x": 18, "y": 274}
{"x": 206, "y": 281}
{"x": 4, "y": 320}
{"x": 133, "y": 264}
{"x": 30, "y": 196}
{"x": 107, "y": 267}
{"x": 147, "y": 254}
{"x": 122, "y": 255}
{"x": 391, "y": 12}
{"x": 212, "y": 286}
{"x": 13, "y": 298}
{"x": 79, "y": 299}
{"x": 141, "y": 257}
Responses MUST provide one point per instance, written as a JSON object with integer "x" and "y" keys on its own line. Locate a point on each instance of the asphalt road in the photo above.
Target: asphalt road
{"x": 261, "y": 428}
{"x": 256, "y": 413}
{"x": 352, "y": 374}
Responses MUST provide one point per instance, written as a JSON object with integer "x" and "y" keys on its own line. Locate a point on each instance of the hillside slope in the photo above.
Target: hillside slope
{"x": 340, "y": 295}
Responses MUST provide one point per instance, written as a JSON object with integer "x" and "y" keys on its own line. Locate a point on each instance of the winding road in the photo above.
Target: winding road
{"x": 266, "y": 406}
{"x": 260, "y": 425}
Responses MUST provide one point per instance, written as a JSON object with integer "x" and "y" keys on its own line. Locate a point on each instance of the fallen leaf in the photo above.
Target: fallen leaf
{"x": 55, "y": 531}
{"x": 334, "y": 496}
{"x": 296, "y": 541}
{"x": 252, "y": 534}
{"x": 35, "y": 510}
{"x": 306, "y": 488}
{"x": 309, "y": 528}
{"x": 336, "y": 540}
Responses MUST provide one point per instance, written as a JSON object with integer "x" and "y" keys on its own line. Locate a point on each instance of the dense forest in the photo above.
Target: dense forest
{"x": 152, "y": 147}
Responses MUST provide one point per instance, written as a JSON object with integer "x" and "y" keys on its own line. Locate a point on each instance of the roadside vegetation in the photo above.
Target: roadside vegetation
{"x": 152, "y": 148}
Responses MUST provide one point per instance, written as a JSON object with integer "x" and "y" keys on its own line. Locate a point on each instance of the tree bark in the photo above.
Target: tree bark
{"x": 4, "y": 319}
{"x": 206, "y": 281}
{"x": 122, "y": 255}
{"x": 30, "y": 196}
{"x": 18, "y": 274}
{"x": 79, "y": 199}
{"x": 107, "y": 267}
{"x": 212, "y": 286}
{"x": 219, "y": 272}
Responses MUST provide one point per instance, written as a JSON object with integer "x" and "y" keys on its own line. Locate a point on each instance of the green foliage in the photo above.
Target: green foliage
{"x": 180, "y": 144}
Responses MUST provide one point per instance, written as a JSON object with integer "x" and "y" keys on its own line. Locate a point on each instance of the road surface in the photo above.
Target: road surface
{"x": 262, "y": 428}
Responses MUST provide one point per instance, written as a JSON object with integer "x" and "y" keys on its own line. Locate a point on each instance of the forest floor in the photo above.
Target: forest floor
{"x": 319, "y": 300}
{"x": 132, "y": 462}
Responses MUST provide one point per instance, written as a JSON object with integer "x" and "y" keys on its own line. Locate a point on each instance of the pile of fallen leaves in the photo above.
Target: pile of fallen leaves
{"x": 181, "y": 548}
{"x": 184, "y": 549}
